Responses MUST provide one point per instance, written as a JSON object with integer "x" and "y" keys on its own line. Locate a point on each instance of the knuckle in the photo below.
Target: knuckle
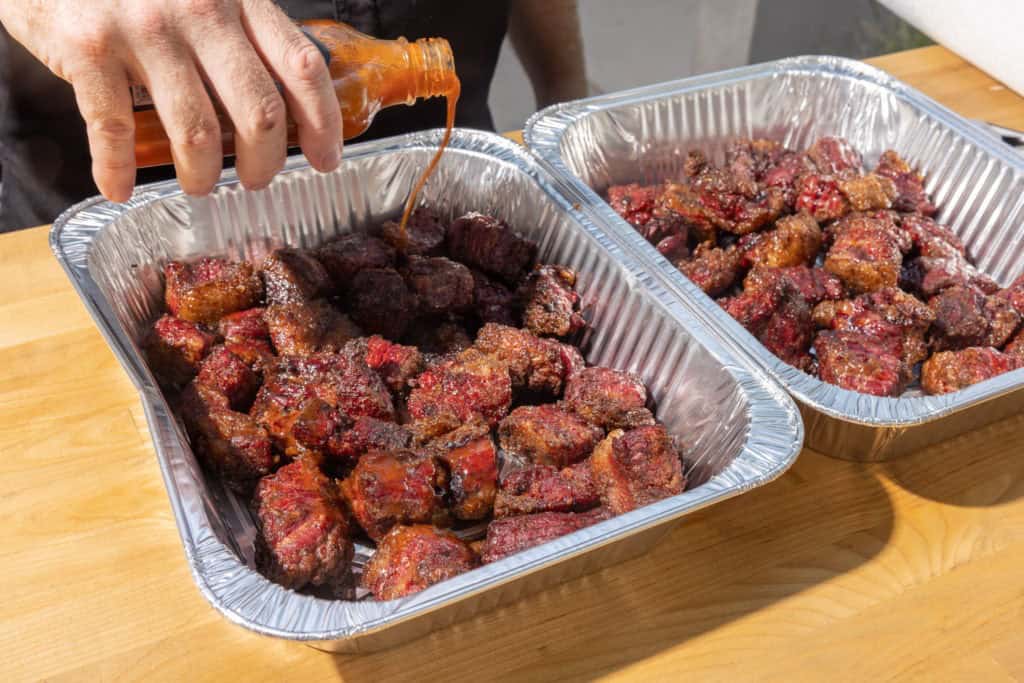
{"x": 152, "y": 21}
{"x": 92, "y": 45}
{"x": 267, "y": 115}
{"x": 112, "y": 128}
{"x": 200, "y": 134}
{"x": 209, "y": 10}
{"x": 304, "y": 61}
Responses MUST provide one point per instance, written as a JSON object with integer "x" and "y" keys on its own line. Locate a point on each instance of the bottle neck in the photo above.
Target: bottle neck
{"x": 432, "y": 69}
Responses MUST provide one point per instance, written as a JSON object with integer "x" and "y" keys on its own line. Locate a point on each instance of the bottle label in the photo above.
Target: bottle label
{"x": 141, "y": 100}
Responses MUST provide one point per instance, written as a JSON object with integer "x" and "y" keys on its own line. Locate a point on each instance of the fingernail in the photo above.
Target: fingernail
{"x": 333, "y": 158}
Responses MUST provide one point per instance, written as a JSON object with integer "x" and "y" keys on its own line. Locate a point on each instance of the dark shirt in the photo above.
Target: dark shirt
{"x": 44, "y": 155}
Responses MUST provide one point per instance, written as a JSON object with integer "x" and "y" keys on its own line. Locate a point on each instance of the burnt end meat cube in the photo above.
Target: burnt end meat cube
{"x": 256, "y": 353}
{"x": 488, "y": 244}
{"x": 396, "y": 364}
{"x": 210, "y": 288}
{"x": 608, "y": 398}
{"x": 293, "y": 275}
{"x": 835, "y": 156}
{"x": 230, "y": 375}
{"x": 820, "y": 196}
{"x": 347, "y": 255}
{"x": 859, "y": 362}
{"x": 303, "y": 537}
{"x": 674, "y": 247}
{"x": 296, "y": 420}
{"x": 535, "y": 362}
{"x": 438, "y": 337}
{"x": 175, "y": 348}
{"x": 510, "y": 535}
{"x": 367, "y": 434}
{"x": 1015, "y": 347}
{"x": 712, "y": 268}
{"x": 471, "y": 386}
{"x": 342, "y": 382}
{"x": 247, "y": 325}
{"x": 749, "y": 160}
{"x": 814, "y": 284}
{"x": 867, "y": 253}
{"x": 230, "y": 444}
{"x": 307, "y": 327}
{"x": 440, "y": 285}
{"x": 411, "y": 558}
{"x": 780, "y": 318}
{"x": 381, "y": 303}
{"x": 785, "y": 173}
{"x": 931, "y": 239}
{"x": 493, "y": 302}
{"x": 635, "y": 203}
{"x": 424, "y": 233}
{"x": 550, "y": 304}
{"x": 389, "y": 488}
{"x": 681, "y": 205}
{"x": 794, "y": 241}
{"x": 965, "y": 317}
{"x": 472, "y": 462}
{"x": 910, "y": 194}
{"x": 548, "y": 435}
{"x": 543, "y": 488}
{"x": 928, "y": 276}
{"x": 637, "y": 468}
{"x": 868, "y": 192}
{"x": 949, "y": 371}
{"x": 724, "y": 203}
{"x": 1015, "y": 294}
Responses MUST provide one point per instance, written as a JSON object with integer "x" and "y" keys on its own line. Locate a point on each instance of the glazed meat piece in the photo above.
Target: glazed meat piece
{"x": 293, "y": 275}
{"x": 814, "y": 284}
{"x": 511, "y": 535}
{"x": 438, "y": 337}
{"x": 608, "y": 398}
{"x": 256, "y": 353}
{"x": 1015, "y": 347}
{"x": 750, "y": 160}
{"x": 888, "y": 316}
{"x": 712, "y": 268}
{"x": 440, "y": 285}
{"x": 637, "y": 468}
{"x": 794, "y": 241}
{"x": 778, "y": 315}
{"x": 835, "y": 156}
{"x": 424, "y": 233}
{"x": 174, "y": 349}
{"x": 540, "y": 364}
{"x": 949, "y": 371}
{"x": 471, "y": 386}
{"x": 247, "y": 325}
{"x": 820, "y": 197}
{"x": 869, "y": 192}
{"x": 548, "y": 435}
{"x": 303, "y": 537}
{"x": 397, "y": 365}
{"x": 367, "y": 434}
{"x": 231, "y": 376}
{"x": 674, "y": 247}
{"x": 381, "y": 303}
{"x": 785, "y": 173}
{"x": 543, "y": 488}
{"x": 1015, "y": 294}
{"x": 931, "y": 239}
{"x": 928, "y": 276}
{"x": 396, "y": 487}
{"x": 682, "y": 205}
{"x": 550, "y": 304}
{"x": 296, "y": 422}
{"x": 965, "y": 317}
{"x": 229, "y": 444}
{"x": 307, "y": 327}
{"x": 867, "y": 252}
{"x": 347, "y": 255}
{"x": 210, "y": 288}
{"x": 488, "y": 244}
{"x": 341, "y": 381}
{"x": 910, "y": 194}
{"x": 859, "y": 362}
{"x": 493, "y": 302}
{"x": 635, "y": 203}
{"x": 411, "y": 558}
{"x": 731, "y": 206}
{"x": 472, "y": 462}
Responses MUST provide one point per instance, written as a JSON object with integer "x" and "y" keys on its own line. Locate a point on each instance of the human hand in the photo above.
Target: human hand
{"x": 182, "y": 50}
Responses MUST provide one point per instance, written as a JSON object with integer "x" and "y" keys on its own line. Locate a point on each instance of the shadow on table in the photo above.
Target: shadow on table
{"x": 982, "y": 468}
{"x": 820, "y": 520}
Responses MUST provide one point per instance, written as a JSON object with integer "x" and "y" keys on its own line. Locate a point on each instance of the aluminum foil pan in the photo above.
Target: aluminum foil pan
{"x": 739, "y": 428}
{"x": 643, "y": 135}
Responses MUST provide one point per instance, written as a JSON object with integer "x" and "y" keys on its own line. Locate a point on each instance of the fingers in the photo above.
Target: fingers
{"x": 301, "y": 70}
{"x": 101, "y": 90}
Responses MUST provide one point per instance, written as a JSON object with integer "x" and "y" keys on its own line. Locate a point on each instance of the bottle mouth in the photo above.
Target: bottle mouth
{"x": 436, "y": 68}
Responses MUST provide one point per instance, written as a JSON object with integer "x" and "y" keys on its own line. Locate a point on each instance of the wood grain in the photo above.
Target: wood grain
{"x": 910, "y": 569}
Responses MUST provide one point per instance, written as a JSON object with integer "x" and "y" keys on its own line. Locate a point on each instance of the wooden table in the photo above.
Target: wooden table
{"x": 910, "y": 569}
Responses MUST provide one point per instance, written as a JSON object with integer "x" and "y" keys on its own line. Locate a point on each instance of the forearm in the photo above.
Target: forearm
{"x": 546, "y": 36}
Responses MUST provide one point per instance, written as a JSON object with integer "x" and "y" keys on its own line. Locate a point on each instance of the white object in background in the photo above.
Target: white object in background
{"x": 987, "y": 33}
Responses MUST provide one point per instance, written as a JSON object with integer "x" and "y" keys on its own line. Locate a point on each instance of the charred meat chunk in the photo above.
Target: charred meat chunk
{"x": 637, "y": 468}
{"x": 814, "y": 284}
{"x": 303, "y": 537}
{"x": 209, "y": 289}
{"x": 868, "y": 192}
{"x": 411, "y": 558}
{"x": 389, "y": 488}
{"x": 231, "y": 376}
{"x": 635, "y": 203}
{"x": 493, "y": 302}
{"x": 424, "y": 233}
{"x": 965, "y": 317}
{"x": 835, "y": 156}
{"x": 347, "y": 255}
{"x": 729, "y": 205}
{"x": 910, "y": 194}
{"x": 229, "y": 444}
{"x": 867, "y": 252}
{"x": 750, "y": 160}
{"x": 949, "y": 371}
{"x": 821, "y": 197}
{"x": 340, "y": 381}
{"x": 367, "y": 434}
{"x": 608, "y": 398}
{"x": 472, "y": 462}
{"x": 550, "y": 304}
{"x": 381, "y": 303}
{"x": 488, "y": 244}
{"x": 778, "y": 315}
{"x": 794, "y": 241}
{"x": 1015, "y": 346}
{"x": 440, "y": 285}
{"x": 438, "y": 337}
{"x": 471, "y": 386}
{"x": 510, "y": 535}
{"x": 396, "y": 364}
{"x": 174, "y": 349}
{"x": 927, "y": 276}
{"x": 537, "y": 363}
{"x": 543, "y": 488}
{"x": 293, "y": 275}
{"x": 1015, "y": 294}
{"x": 931, "y": 239}
{"x": 786, "y": 172}
{"x": 712, "y": 268}
{"x": 859, "y": 362}
{"x": 247, "y": 325}
{"x": 548, "y": 435}
{"x": 306, "y": 327}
